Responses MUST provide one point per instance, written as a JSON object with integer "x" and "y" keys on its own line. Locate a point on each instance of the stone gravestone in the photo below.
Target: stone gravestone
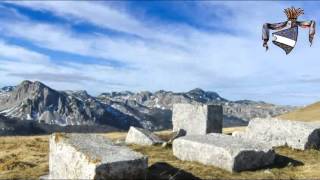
{"x": 223, "y": 151}
{"x": 91, "y": 156}
{"x": 277, "y": 132}
{"x": 142, "y": 137}
{"x": 197, "y": 118}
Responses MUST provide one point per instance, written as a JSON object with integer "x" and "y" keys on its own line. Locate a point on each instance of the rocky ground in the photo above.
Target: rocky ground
{"x": 26, "y": 157}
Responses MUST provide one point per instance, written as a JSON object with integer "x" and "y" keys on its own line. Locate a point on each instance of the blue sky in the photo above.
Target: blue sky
{"x": 103, "y": 46}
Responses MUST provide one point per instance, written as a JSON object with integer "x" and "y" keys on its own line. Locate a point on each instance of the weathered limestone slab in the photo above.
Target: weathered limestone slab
{"x": 223, "y": 151}
{"x": 197, "y": 118}
{"x": 142, "y": 137}
{"x": 91, "y": 156}
{"x": 276, "y": 132}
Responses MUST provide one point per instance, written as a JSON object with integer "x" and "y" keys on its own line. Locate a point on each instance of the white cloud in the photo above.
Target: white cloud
{"x": 170, "y": 56}
{"x": 102, "y": 15}
{"x": 12, "y": 52}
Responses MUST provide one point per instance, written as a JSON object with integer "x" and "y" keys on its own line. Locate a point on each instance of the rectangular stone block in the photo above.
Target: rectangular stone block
{"x": 91, "y": 156}
{"x": 142, "y": 137}
{"x": 223, "y": 151}
{"x": 197, "y": 118}
{"x": 278, "y": 132}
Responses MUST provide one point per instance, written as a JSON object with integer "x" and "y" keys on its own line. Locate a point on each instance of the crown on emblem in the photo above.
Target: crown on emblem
{"x": 293, "y": 13}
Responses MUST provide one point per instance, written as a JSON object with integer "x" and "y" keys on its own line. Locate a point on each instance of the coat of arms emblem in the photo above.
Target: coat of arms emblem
{"x": 287, "y": 37}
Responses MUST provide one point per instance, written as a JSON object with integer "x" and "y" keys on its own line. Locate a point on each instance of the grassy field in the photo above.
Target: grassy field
{"x": 23, "y": 157}
{"x": 27, "y": 157}
{"x": 309, "y": 113}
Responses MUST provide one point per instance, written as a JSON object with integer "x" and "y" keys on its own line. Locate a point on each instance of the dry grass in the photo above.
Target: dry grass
{"x": 229, "y": 130}
{"x": 122, "y": 135}
{"x": 116, "y": 135}
{"x": 23, "y": 157}
{"x": 27, "y": 157}
{"x": 309, "y": 113}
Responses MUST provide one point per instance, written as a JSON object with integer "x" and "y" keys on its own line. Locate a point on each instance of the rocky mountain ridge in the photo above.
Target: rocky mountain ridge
{"x": 34, "y": 101}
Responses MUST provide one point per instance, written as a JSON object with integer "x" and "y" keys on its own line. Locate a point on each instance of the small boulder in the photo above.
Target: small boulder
{"x": 142, "y": 137}
{"x": 173, "y": 136}
{"x": 164, "y": 144}
{"x": 176, "y": 135}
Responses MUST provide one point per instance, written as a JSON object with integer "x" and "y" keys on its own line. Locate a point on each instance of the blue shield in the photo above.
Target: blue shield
{"x": 286, "y": 39}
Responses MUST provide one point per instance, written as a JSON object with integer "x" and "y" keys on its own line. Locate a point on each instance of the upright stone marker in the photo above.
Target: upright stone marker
{"x": 223, "y": 151}
{"x": 197, "y": 118}
{"x": 91, "y": 156}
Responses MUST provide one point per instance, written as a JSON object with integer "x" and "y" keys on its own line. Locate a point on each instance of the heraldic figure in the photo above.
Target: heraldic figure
{"x": 287, "y": 37}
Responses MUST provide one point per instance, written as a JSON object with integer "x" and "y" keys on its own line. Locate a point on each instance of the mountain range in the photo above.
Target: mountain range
{"x": 35, "y": 102}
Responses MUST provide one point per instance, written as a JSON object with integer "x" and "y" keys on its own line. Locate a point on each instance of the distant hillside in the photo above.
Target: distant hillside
{"x": 308, "y": 113}
{"x": 36, "y": 102}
